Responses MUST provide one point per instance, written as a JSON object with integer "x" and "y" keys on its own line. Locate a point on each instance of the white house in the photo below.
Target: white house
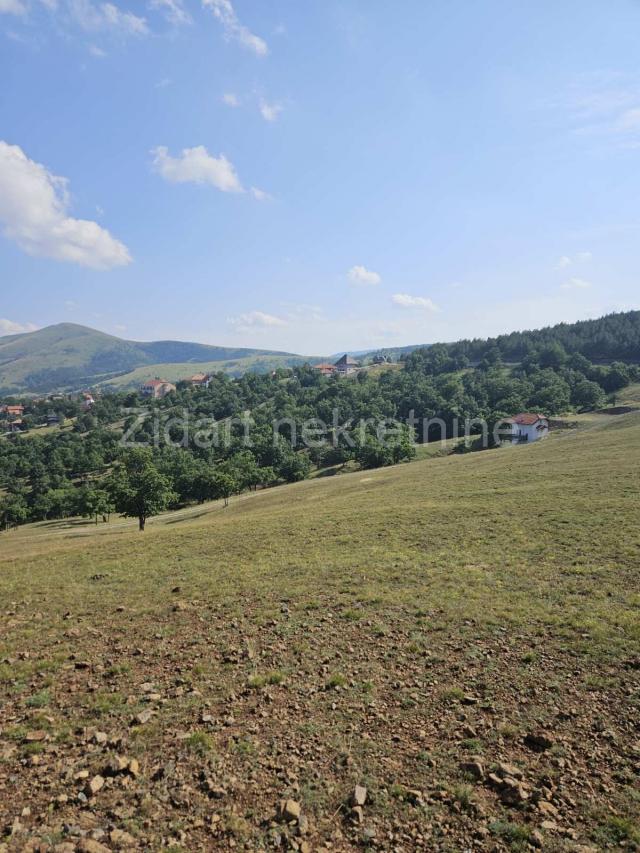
{"x": 527, "y": 427}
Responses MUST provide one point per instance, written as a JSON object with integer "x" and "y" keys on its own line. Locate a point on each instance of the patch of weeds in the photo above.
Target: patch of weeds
{"x": 352, "y": 615}
{"x": 529, "y": 657}
{"x": 516, "y": 835}
{"x": 103, "y": 704}
{"x": 508, "y": 731}
{"x": 336, "y": 680}
{"x": 118, "y": 669}
{"x": 472, "y": 744}
{"x": 200, "y": 743}
{"x": 463, "y": 794}
{"x": 256, "y": 682}
{"x": 367, "y": 686}
{"x": 451, "y": 694}
{"x": 245, "y": 746}
{"x": 617, "y": 830}
{"x": 34, "y": 748}
{"x": 39, "y": 700}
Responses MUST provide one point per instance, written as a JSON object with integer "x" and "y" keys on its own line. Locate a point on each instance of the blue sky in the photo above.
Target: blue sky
{"x": 317, "y": 176}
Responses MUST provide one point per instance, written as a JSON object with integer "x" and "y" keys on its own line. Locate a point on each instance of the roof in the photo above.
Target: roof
{"x": 13, "y": 410}
{"x": 198, "y": 377}
{"x": 527, "y": 419}
{"x": 155, "y": 383}
{"x": 324, "y": 366}
{"x": 346, "y": 360}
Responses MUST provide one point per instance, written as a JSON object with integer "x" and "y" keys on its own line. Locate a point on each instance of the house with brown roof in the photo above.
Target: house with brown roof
{"x": 325, "y": 369}
{"x": 10, "y": 413}
{"x": 528, "y": 427}
{"x": 156, "y": 388}
{"x": 199, "y": 380}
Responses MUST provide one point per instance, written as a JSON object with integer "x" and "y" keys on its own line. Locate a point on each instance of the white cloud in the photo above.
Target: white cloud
{"x": 575, "y": 284}
{"x": 270, "y": 112}
{"x": 255, "y": 319}
{"x": 423, "y": 303}
{"x": 33, "y": 213}
{"x": 173, "y": 10}
{"x": 106, "y": 16}
{"x": 10, "y": 327}
{"x": 233, "y": 29}
{"x": 361, "y": 275}
{"x": 196, "y": 166}
{"x": 579, "y": 258}
{"x": 230, "y": 99}
{"x": 260, "y": 195}
{"x": 12, "y": 7}
{"x": 98, "y": 52}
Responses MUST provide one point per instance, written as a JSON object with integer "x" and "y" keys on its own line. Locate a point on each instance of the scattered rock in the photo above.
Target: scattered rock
{"x": 474, "y": 768}
{"x": 359, "y": 796}
{"x": 290, "y": 810}
{"x": 94, "y": 785}
{"x": 538, "y": 741}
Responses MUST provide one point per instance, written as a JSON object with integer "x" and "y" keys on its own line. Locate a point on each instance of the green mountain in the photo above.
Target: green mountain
{"x": 68, "y": 356}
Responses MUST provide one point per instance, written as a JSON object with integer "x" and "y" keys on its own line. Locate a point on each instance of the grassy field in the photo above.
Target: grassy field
{"x": 460, "y": 636}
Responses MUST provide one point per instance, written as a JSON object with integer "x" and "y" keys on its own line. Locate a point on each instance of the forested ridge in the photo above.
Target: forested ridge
{"x": 86, "y": 470}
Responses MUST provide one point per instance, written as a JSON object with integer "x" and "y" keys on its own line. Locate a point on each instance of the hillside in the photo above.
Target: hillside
{"x": 457, "y": 636}
{"x": 69, "y": 356}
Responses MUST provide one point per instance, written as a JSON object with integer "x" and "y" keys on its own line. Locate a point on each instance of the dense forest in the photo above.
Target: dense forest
{"x": 139, "y": 457}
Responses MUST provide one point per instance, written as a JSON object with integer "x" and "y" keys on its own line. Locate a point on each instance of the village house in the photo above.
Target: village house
{"x": 325, "y": 369}
{"x": 199, "y": 380}
{"x": 11, "y": 413}
{"x": 87, "y": 402}
{"x": 156, "y": 388}
{"x": 527, "y": 427}
{"x": 346, "y": 365}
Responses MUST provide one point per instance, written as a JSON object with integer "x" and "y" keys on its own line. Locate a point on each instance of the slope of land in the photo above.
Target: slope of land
{"x": 459, "y": 636}
{"x": 69, "y": 356}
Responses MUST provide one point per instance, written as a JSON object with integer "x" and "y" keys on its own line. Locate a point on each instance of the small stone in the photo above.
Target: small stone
{"x": 94, "y": 785}
{"x": 548, "y": 809}
{"x": 359, "y": 796}
{"x": 504, "y": 770}
{"x": 35, "y": 736}
{"x": 357, "y": 814}
{"x": 122, "y": 840}
{"x": 89, "y": 845}
{"x": 100, "y": 738}
{"x": 142, "y": 718}
{"x": 290, "y": 810}
{"x": 474, "y": 768}
{"x": 538, "y": 741}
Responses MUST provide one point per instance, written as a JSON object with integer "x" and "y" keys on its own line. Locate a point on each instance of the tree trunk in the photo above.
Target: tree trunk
{"x": 141, "y": 522}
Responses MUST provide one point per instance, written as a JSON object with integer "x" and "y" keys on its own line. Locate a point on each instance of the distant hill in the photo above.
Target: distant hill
{"x": 68, "y": 356}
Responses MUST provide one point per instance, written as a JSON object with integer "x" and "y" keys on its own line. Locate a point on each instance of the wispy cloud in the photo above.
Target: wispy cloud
{"x": 422, "y": 303}
{"x": 260, "y": 195}
{"x": 12, "y": 7}
{"x": 605, "y": 104}
{"x": 230, "y": 99}
{"x": 270, "y": 112}
{"x": 34, "y": 214}
{"x": 196, "y": 166}
{"x": 569, "y": 260}
{"x": 255, "y": 319}
{"x": 99, "y": 17}
{"x": 575, "y": 284}
{"x": 233, "y": 29}
{"x": 10, "y": 327}
{"x": 173, "y": 10}
{"x": 362, "y": 276}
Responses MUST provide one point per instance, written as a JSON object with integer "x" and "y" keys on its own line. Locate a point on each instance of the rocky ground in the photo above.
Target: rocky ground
{"x": 320, "y": 729}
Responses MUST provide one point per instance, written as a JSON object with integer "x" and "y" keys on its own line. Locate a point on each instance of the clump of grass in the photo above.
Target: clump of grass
{"x": 103, "y": 704}
{"x": 39, "y": 700}
{"x": 472, "y": 744}
{"x": 463, "y": 794}
{"x": 256, "y": 682}
{"x": 200, "y": 742}
{"x": 516, "y": 835}
{"x": 617, "y": 830}
{"x": 336, "y": 680}
{"x": 451, "y": 694}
